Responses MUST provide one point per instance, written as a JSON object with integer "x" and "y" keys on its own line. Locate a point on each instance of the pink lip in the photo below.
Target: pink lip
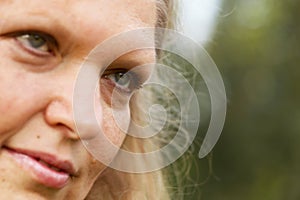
{"x": 45, "y": 168}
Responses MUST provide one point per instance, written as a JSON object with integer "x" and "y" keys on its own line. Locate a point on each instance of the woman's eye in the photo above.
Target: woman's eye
{"x": 124, "y": 81}
{"x": 35, "y": 41}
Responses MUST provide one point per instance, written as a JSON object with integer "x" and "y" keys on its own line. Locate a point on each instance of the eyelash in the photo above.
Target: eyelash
{"x": 23, "y": 37}
{"x": 52, "y": 47}
{"x": 135, "y": 82}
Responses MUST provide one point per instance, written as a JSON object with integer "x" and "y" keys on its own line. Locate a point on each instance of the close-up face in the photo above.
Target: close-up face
{"x": 42, "y": 47}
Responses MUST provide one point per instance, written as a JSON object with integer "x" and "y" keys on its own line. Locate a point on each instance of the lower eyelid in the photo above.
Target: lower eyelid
{"x": 114, "y": 86}
{"x": 49, "y": 40}
{"x": 28, "y": 58}
{"x": 33, "y": 51}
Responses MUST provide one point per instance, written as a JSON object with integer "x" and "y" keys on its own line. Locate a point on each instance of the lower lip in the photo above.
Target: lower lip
{"x": 40, "y": 172}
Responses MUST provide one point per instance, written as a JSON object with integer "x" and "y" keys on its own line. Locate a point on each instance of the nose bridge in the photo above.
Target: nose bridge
{"x": 75, "y": 102}
{"x": 63, "y": 81}
{"x": 60, "y": 89}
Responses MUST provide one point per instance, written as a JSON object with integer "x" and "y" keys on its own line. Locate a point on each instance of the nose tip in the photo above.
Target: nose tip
{"x": 72, "y": 100}
{"x": 59, "y": 115}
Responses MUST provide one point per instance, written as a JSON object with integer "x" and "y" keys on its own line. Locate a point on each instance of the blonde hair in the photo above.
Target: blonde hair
{"x": 113, "y": 184}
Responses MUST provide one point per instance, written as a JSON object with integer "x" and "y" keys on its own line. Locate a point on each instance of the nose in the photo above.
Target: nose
{"x": 58, "y": 112}
{"x": 72, "y": 105}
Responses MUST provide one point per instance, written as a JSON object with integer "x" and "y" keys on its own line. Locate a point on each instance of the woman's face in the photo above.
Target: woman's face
{"x": 42, "y": 45}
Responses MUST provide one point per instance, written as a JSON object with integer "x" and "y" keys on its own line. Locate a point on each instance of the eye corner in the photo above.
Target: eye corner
{"x": 29, "y": 41}
{"x": 114, "y": 77}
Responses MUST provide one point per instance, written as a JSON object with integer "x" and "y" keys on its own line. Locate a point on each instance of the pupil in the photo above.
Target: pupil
{"x": 36, "y": 41}
{"x": 122, "y": 79}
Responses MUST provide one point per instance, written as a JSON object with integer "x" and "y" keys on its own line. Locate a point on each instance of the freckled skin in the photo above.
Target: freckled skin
{"x": 36, "y": 91}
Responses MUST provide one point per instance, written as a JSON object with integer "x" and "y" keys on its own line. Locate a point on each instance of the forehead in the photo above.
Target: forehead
{"x": 82, "y": 17}
{"x": 137, "y": 8}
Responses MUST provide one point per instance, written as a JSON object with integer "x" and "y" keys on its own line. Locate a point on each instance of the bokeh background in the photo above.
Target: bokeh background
{"x": 256, "y": 46}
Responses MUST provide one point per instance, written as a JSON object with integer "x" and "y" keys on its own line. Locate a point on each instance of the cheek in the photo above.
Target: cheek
{"x": 100, "y": 155}
{"x": 113, "y": 119}
{"x": 104, "y": 138}
{"x": 13, "y": 100}
{"x": 113, "y": 129}
{"x": 10, "y": 87}
{"x": 21, "y": 95}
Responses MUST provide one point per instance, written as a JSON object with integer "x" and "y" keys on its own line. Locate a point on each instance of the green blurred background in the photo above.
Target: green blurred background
{"x": 256, "y": 47}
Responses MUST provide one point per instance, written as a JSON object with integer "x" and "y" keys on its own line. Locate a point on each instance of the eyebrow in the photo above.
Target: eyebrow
{"x": 129, "y": 63}
{"x": 44, "y": 23}
{"x": 38, "y": 21}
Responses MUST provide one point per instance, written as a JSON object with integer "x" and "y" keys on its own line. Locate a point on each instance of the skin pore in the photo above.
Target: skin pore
{"x": 42, "y": 45}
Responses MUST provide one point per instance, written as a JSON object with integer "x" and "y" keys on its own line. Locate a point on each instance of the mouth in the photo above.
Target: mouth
{"x": 45, "y": 168}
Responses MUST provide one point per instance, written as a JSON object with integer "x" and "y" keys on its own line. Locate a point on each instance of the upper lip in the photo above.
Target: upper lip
{"x": 62, "y": 164}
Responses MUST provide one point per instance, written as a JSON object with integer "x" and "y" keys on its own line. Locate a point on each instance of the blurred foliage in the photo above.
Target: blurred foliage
{"x": 257, "y": 49}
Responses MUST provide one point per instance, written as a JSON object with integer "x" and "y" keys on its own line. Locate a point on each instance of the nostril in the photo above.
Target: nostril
{"x": 65, "y": 130}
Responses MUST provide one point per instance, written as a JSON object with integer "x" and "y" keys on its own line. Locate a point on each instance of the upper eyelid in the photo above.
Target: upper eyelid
{"x": 49, "y": 38}
{"x": 110, "y": 71}
{"x": 114, "y": 70}
{"x": 135, "y": 75}
{"x": 123, "y": 65}
{"x": 129, "y": 66}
